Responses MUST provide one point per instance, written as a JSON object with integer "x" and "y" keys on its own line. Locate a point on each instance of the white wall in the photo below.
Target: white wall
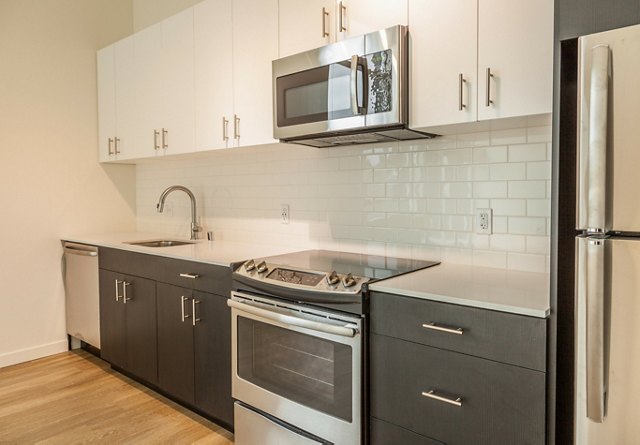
{"x": 412, "y": 199}
{"x": 148, "y": 12}
{"x": 50, "y": 182}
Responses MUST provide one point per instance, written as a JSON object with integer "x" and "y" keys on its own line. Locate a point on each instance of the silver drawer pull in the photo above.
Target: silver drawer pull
{"x": 193, "y": 276}
{"x": 432, "y": 395}
{"x": 435, "y": 327}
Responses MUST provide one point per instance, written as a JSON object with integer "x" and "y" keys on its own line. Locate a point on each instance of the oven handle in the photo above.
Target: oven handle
{"x": 343, "y": 331}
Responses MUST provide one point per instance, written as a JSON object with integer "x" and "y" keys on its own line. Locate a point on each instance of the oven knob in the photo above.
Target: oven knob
{"x": 262, "y": 267}
{"x": 349, "y": 280}
{"x": 249, "y": 265}
{"x": 333, "y": 278}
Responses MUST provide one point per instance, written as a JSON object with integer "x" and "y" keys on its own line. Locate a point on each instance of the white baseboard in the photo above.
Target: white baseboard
{"x": 28, "y": 354}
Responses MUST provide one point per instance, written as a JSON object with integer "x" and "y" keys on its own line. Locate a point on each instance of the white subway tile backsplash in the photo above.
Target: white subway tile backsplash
{"x": 415, "y": 198}
{"x": 527, "y": 152}
{"x": 490, "y": 155}
{"x": 527, "y": 189}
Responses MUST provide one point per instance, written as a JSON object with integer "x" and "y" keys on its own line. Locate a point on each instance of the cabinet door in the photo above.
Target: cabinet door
{"x": 126, "y": 123}
{"x": 213, "y": 76}
{"x": 365, "y": 16}
{"x": 305, "y": 25}
{"x": 113, "y": 345}
{"x": 106, "y": 102}
{"x": 148, "y": 53}
{"x": 252, "y": 82}
{"x": 175, "y": 341}
{"x": 139, "y": 297}
{"x": 443, "y": 41}
{"x": 213, "y": 357}
{"x": 178, "y": 117}
{"x": 515, "y": 41}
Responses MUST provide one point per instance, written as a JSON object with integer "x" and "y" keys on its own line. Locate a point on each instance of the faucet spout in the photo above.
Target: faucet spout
{"x": 195, "y": 227}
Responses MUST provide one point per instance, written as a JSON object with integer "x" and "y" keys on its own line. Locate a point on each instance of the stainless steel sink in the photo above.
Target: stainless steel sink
{"x": 159, "y": 243}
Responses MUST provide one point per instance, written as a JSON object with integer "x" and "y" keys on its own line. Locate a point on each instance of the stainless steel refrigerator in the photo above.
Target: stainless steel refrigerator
{"x": 607, "y": 270}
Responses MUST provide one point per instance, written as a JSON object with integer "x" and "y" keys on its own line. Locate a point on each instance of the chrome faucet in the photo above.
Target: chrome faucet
{"x": 195, "y": 228}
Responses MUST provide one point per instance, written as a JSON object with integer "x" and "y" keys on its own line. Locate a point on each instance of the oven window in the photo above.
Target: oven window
{"x": 309, "y": 370}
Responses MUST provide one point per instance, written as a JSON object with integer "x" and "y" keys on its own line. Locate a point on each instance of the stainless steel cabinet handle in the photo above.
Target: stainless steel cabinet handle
{"x": 488, "y": 100}
{"x": 109, "y": 146}
{"x": 432, "y": 395}
{"x": 236, "y": 126}
{"x": 341, "y": 16}
{"x": 156, "y": 133}
{"x": 115, "y": 145}
{"x": 165, "y": 132}
{"x": 325, "y": 14}
{"x": 125, "y": 284}
{"x": 461, "y": 82}
{"x": 118, "y": 296}
{"x": 225, "y": 129}
{"x": 183, "y": 316}
{"x": 194, "y": 319}
{"x": 193, "y": 276}
{"x": 435, "y": 327}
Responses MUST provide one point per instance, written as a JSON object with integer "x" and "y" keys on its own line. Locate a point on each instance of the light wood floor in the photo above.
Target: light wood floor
{"x": 75, "y": 398}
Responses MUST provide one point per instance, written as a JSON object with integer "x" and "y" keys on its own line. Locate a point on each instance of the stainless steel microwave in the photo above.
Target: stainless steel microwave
{"x": 351, "y": 92}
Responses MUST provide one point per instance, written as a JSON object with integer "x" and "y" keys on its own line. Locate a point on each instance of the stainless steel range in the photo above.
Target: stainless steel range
{"x": 298, "y": 322}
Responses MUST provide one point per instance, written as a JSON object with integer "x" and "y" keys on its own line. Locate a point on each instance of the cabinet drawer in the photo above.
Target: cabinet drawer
{"x": 385, "y": 433}
{"x": 207, "y": 277}
{"x": 132, "y": 263}
{"x": 499, "y": 404}
{"x": 499, "y": 336}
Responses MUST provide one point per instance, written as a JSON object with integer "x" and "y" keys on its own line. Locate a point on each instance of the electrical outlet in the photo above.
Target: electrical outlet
{"x": 284, "y": 214}
{"x": 484, "y": 221}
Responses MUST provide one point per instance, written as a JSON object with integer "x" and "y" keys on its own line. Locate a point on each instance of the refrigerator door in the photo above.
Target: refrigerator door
{"x": 608, "y": 291}
{"x": 608, "y": 138}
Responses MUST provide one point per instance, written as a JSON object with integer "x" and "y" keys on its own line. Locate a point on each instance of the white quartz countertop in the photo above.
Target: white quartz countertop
{"x": 222, "y": 253}
{"x": 524, "y": 293}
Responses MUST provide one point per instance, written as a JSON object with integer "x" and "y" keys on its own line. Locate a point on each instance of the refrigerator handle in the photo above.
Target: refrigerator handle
{"x": 593, "y": 150}
{"x": 591, "y": 287}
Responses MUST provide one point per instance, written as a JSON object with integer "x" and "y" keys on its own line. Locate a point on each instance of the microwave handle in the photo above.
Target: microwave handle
{"x": 355, "y": 106}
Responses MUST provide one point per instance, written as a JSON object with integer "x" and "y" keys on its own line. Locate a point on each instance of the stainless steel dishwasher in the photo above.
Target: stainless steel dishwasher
{"x": 82, "y": 293}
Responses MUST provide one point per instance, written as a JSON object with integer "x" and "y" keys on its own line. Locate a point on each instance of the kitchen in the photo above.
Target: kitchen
{"x": 413, "y": 199}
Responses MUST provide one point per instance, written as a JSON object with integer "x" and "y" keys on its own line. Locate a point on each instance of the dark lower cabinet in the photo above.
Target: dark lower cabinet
{"x": 168, "y": 331}
{"x": 194, "y": 349}
{"x": 175, "y": 342}
{"x": 128, "y": 324}
{"x": 442, "y": 373}
{"x": 213, "y": 357}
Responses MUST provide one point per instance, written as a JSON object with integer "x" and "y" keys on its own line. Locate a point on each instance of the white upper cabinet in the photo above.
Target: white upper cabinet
{"x": 357, "y": 17}
{"x": 177, "y": 73}
{"x": 305, "y": 25}
{"x": 478, "y": 60}
{"x": 117, "y": 125}
{"x": 255, "y": 46}
{"x": 213, "y": 74}
{"x": 148, "y": 94}
{"x": 126, "y": 116}
{"x": 443, "y": 74}
{"x": 106, "y": 102}
{"x": 310, "y": 24}
{"x": 515, "y": 42}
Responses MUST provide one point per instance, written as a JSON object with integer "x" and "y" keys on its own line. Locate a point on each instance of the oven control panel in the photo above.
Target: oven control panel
{"x": 328, "y": 282}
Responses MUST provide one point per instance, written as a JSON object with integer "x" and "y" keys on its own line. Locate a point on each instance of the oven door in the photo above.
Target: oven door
{"x": 349, "y": 85}
{"x": 304, "y": 368}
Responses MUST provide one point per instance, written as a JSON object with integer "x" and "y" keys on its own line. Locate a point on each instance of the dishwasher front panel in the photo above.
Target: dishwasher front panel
{"x": 82, "y": 292}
